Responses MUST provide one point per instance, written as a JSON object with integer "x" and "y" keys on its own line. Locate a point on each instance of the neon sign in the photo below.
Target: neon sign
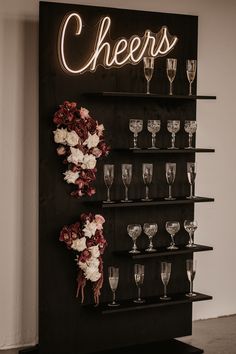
{"x": 114, "y": 53}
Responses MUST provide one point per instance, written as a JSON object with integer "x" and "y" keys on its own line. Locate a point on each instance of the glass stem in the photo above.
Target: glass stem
{"x": 191, "y": 191}
{"x": 126, "y": 193}
{"x": 135, "y": 140}
{"x": 148, "y": 90}
{"x": 153, "y": 140}
{"x": 173, "y": 140}
{"x": 172, "y": 240}
{"x": 171, "y": 92}
{"x": 134, "y": 245}
{"x": 114, "y": 298}
{"x": 108, "y": 194}
{"x": 139, "y": 293}
{"x": 190, "y": 140}
{"x": 170, "y": 194}
{"x": 191, "y": 238}
{"x": 191, "y": 287}
{"x": 146, "y": 192}
{"x": 165, "y": 290}
{"x": 190, "y": 89}
{"x": 150, "y": 243}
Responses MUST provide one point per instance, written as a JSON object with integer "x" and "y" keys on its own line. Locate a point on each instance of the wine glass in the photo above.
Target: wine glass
{"x": 134, "y": 231}
{"x": 148, "y": 70}
{"x": 135, "y": 126}
{"x": 190, "y": 126}
{"x": 173, "y": 127}
{"x": 150, "y": 230}
{"x": 172, "y": 227}
{"x": 147, "y": 179}
{"x": 170, "y": 178}
{"x": 139, "y": 278}
{"x": 165, "y": 277}
{"x": 191, "y": 173}
{"x": 154, "y": 126}
{"x": 190, "y": 227}
{"x": 108, "y": 172}
{"x": 171, "y": 66}
{"x": 126, "y": 172}
{"x": 191, "y": 68}
{"x": 191, "y": 271}
{"x": 113, "y": 273}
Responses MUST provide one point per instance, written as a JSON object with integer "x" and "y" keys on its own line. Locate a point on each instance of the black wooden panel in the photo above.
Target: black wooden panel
{"x": 65, "y": 327}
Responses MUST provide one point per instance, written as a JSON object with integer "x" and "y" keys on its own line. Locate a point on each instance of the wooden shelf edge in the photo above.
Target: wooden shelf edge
{"x": 151, "y": 302}
{"x": 163, "y": 252}
{"x": 164, "y": 151}
{"x": 151, "y": 95}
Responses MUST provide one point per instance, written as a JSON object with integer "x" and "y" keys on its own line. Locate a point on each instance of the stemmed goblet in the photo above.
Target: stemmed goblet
{"x": 113, "y": 273}
{"x": 108, "y": 172}
{"x": 190, "y": 126}
{"x": 126, "y": 173}
{"x": 173, "y": 127}
{"x": 148, "y": 70}
{"x": 170, "y": 178}
{"x": 165, "y": 277}
{"x": 139, "y": 279}
{"x": 150, "y": 230}
{"x": 135, "y": 126}
{"x": 134, "y": 231}
{"x": 191, "y": 271}
{"x": 153, "y": 126}
{"x": 147, "y": 179}
{"x": 191, "y": 173}
{"x": 191, "y": 68}
{"x": 190, "y": 227}
{"x": 171, "y": 66}
{"x": 172, "y": 227}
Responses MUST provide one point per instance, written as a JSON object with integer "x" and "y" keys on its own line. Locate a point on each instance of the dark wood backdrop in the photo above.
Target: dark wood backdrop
{"x": 65, "y": 326}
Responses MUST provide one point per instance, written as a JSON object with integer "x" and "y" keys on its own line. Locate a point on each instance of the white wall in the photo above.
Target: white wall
{"x": 18, "y": 187}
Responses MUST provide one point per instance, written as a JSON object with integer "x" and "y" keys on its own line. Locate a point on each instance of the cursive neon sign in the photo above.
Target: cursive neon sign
{"x": 114, "y": 53}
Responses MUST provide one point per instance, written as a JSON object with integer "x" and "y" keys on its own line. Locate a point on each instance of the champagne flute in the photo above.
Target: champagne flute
{"x": 147, "y": 179}
{"x": 113, "y": 273}
{"x": 148, "y": 70}
{"x": 172, "y": 227}
{"x": 190, "y": 227}
{"x": 165, "y": 277}
{"x": 154, "y": 126}
{"x": 108, "y": 171}
{"x": 126, "y": 170}
{"x": 135, "y": 126}
{"x": 191, "y": 271}
{"x": 139, "y": 278}
{"x": 134, "y": 231}
{"x": 191, "y": 68}
{"x": 191, "y": 173}
{"x": 170, "y": 178}
{"x": 190, "y": 126}
{"x": 150, "y": 230}
{"x": 171, "y": 66}
{"x": 173, "y": 126}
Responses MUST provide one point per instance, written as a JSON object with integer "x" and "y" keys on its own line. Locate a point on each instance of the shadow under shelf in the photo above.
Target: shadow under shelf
{"x": 151, "y": 302}
{"x": 160, "y": 201}
{"x": 163, "y": 251}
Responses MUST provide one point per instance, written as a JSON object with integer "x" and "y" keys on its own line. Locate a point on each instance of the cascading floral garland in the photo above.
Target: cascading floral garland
{"x": 81, "y": 143}
{"x": 86, "y": 238}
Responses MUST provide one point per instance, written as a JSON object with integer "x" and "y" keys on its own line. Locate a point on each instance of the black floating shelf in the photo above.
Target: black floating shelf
{"x": 164, "y": 151}
{"x": 139, "y": 203}
{"x": 151, "y": 95}
{"x": 161, "y": 251}
{"x": 151, "y": 302}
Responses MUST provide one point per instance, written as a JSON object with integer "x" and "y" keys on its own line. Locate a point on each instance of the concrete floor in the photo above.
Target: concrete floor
{"x": 215, "y": 336}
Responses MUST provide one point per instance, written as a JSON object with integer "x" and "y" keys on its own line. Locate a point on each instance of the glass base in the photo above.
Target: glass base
{"x": 154, "y": 148}
{"x": 190, "y": 294}
{"x": 190, "y": 147}
{"x": 126, "y": 201}
{"x": 113, "y": 304}
{"x": 191, "y": 245}
{"x": 166, "y": 298}
{"x": 170, "y": 198}
{"x": 134, "y": 251}
{"x": 150, "y": 250}
{"x": 108, "y": 201}
{"x": 172, "y": 248}
{"x": 134, "y": 148}
{"x": 146, "y": 199}
{"x": 139, "y": 301}
{"x": 193, "y": 197}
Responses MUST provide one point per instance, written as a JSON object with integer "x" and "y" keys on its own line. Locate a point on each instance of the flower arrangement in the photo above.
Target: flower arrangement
{"x": 81, "y": 143}
{"x": 86, "y": 238}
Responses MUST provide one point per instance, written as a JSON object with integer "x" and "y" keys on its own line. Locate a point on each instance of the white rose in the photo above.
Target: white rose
{"x": 89, "y": 162}
{"x": 79, "y": 244}
{"x": 84, "y": 113}
{"x": 70, "y": 176}
{"x": 93, "y": 262}
{"x": 90, "y": 229}
{"x": 95, "y": 253}
{"x": 92, "y": 141}
{"x": 72, "y": 138}
{"x": 83, "y": 265}
{"x": 92, "y": 273}
{"x": 76, "y": 156}
{"x": 60, "y": 136}
{"x": 100, "y": 129}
